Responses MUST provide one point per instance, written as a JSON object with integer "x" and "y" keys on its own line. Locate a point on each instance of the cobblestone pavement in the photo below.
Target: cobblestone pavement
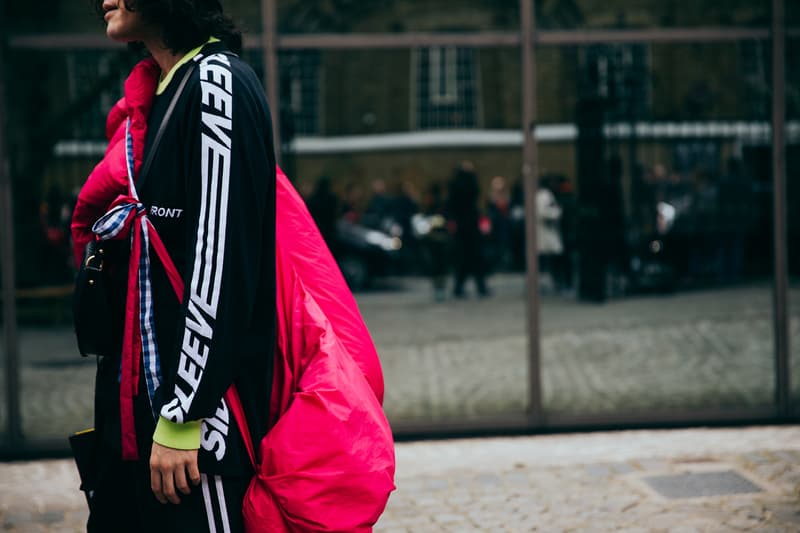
{"x": 552, "y": 483}
{"x": 468, "y": 358}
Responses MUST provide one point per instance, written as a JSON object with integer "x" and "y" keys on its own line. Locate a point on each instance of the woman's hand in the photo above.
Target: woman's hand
{"x": 172, "y": 469}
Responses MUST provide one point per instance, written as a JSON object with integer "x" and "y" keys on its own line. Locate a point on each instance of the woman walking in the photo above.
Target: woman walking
{"x": 168, "y": 456}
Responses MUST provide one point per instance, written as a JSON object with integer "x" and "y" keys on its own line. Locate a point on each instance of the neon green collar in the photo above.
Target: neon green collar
{"x": 164, "y": 83}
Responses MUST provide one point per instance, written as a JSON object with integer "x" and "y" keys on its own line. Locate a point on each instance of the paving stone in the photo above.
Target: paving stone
{"x": 685, "y": 529}
{"x": 622, "y": 468}
{"x": 789, "y": 457}
{"x": 743, "y": 523}
{"x": 650, "y": 465}
{"x": 789, "y": 514}
{"x": 599, "y": 470}
{"x": 448, "y": 518}
{"x": 437, "y": 484}
{"x": 51, "y": 517}
{"x": 758, "y": 458}
{"x": 20, "y": 517}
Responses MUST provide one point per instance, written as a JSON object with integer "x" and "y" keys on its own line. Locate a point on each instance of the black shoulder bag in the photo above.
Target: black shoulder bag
{"x": 97, "y": 324}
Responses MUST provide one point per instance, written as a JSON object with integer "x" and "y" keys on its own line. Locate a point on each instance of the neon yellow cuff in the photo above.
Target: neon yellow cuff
{"x": 178, "y": 436}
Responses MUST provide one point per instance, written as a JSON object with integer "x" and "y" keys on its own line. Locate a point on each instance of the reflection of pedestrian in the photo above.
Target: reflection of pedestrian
{"x": 323, "y": 205}
{"x": 404, "y": 206}
{"x": 563, "y": 263}
{"x": 602, "y": 244}
{"x": 435, "y": 242}
{"x": 463, "y": 211}
{"x": 380, "y": 205}
{"x": 499, "y": 211}
{"x": 351, "y": 205}
{"x": 704, "y": 245}
{"x": 548, "y": 233}
{"x": 613, "y": 213}
{"x": 735, "y": 220}
{"x": 517, "y": 226}
{"x": 55, "y": 213}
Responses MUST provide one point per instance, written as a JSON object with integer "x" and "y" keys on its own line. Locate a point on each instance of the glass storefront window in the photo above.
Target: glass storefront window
{"x": 655, "y": 204}
{"x": 655, "y": 256}
{"x": 792, "y": 14}
{"x": 3, "y": 381}
{"x": 663, "y": 83}
{"x": 394, "y": 16}
{"x": 61, "y": 99}
{"x": 385, "y": 131}
{"x": 793, "y": 208}
{"x": 80, "y": 17}
{"x": 628, "y": 14}
{"x": 62, "y": 17}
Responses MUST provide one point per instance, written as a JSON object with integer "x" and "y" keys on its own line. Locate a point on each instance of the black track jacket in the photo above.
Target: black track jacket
{"x": 210, "y": 193}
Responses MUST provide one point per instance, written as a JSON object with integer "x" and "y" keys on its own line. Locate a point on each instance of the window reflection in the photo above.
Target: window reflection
{"x": 655, "y": 253}
{"x": 393, "y": 16}
{"x": 654, "y": 203}
{"x": 618, "y": 14}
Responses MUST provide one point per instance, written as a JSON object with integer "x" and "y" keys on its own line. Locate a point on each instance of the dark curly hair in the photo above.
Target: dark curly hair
{"x": 186, "y": 24}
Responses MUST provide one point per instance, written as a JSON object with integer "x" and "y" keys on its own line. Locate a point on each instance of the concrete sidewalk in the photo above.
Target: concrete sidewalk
{"x": 636, "y": 481}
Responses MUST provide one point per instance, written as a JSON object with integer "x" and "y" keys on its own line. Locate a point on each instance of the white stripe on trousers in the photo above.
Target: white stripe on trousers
{"x": 226, "y": 525}
{"x": 211, "y": 512}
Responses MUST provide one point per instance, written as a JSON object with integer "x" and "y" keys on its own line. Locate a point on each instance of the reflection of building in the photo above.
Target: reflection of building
{"x": 380, "y": 91}
{"x": 409, "y": 114}
{"x": 365, "y": 95}
{"x": 334, "y": 93}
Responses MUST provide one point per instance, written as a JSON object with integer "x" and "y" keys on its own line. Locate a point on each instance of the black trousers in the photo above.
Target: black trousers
{"x": 122, "y": 501}
{"x": 469, "y": 263}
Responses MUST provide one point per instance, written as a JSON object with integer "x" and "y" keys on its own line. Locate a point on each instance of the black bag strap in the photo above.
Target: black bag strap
{"x": 148, "y": 162}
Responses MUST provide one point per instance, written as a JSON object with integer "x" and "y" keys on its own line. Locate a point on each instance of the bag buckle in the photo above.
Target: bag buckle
{"x": 95, "y": 261}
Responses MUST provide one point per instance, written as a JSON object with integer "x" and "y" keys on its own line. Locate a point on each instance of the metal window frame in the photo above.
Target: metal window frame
{"x": 310, "y": 93}
{"x": 443, "y": 89}
{"x": 410, "y": 40}
{"x": 781, "y": 315}
{"x": 528, "y": 39}
{"x": 14, "y": 437}
{"x": 530, "y": 172}
{"x": 449, "y": 75}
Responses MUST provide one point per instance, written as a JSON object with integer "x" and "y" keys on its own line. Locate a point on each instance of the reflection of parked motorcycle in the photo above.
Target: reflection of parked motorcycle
{"x": 433, "y": 237}
{"x": 653, "y": 259}
{"x": 364, "y": 253}
{"x": 429, "y": 227}
{"x": 517, "y": 237}
{"x": 432, "y": 233}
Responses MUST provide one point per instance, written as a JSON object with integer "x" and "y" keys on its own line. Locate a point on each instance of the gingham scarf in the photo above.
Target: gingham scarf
{"x": 127, "y": 218}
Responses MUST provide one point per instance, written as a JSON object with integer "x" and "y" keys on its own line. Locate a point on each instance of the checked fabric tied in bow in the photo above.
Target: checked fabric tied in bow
{"x": 127, "y": 219}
